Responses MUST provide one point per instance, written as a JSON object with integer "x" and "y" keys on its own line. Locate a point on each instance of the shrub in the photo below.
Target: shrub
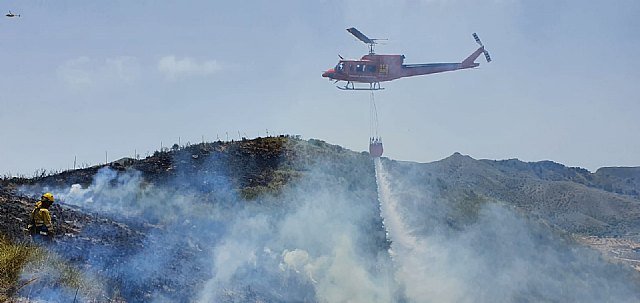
{"x": 13, "y": 257}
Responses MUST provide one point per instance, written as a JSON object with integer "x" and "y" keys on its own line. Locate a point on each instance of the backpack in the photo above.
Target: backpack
{"x": 31, "y": 228}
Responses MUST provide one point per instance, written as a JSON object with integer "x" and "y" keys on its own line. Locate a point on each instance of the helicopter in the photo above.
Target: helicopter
{"x": 11, "y": 15}
{"x": 373, "y": 68}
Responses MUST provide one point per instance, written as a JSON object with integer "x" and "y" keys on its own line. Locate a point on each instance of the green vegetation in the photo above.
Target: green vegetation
{"x": 13, "y": 257}
{"x": 43, "y": 266}
{"x": 465, "y": 209}
{"x": 276, "y": 182}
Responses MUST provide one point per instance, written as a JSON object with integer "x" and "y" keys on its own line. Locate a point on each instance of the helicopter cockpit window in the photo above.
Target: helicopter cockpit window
{"x": 340, "y": 66}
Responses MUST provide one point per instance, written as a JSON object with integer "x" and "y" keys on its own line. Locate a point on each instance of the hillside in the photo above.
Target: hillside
{"x": 188, "y": 222}
{"x": 600, "y": 209}
{"x": 573, "y": 199}
{"x": 220, "y": 179}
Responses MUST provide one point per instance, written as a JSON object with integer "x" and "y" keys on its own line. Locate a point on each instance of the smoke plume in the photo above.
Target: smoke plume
{"x": 378, "y": 236}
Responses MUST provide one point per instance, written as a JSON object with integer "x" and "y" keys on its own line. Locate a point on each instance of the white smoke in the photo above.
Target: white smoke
{"x": 319, "y": 240}
{"x": 499, "y": 258}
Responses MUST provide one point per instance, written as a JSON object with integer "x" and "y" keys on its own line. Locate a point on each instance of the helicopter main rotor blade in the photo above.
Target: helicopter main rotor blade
{"x": 475, "y": 36}
{"x": 360, "y": 36}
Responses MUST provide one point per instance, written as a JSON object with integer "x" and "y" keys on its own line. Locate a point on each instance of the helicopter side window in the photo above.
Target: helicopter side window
{"x": 340, "y": 66}
{"x": 371, "y": 68}
{"x": 358, "y": 68}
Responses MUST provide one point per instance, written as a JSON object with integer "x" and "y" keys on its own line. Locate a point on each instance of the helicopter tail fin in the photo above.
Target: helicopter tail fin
{"x": 469, "y": 61}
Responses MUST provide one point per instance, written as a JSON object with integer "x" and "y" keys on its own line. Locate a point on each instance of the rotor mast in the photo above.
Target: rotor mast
{"x": 362, "y": 37}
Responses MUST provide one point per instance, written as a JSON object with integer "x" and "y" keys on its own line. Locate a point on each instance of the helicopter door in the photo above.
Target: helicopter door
{"x": 383, "y": 68}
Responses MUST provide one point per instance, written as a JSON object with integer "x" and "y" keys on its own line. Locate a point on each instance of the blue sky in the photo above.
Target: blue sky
{"x": 80, "y": 78}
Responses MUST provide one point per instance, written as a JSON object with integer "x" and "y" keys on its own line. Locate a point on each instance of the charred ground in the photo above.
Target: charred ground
{"x": 256, "y": 171}
{"x": 599, "y": 209}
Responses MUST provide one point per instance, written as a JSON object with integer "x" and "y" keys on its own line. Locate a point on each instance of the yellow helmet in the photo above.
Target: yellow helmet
{"x": 47, "y": 197}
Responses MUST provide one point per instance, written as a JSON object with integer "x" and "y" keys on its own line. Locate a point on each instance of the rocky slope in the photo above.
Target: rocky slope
{"x": 573, "y": 199}
{"x": 228, "y": 176}
{"x": 600, "y": 209}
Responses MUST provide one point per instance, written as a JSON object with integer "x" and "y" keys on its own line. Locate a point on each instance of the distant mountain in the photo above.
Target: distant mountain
{"x": 600, "y": 209}
{"x": 605, "y": 203}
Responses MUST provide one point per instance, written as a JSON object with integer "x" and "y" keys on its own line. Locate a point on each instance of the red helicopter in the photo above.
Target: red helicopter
{"x": 373, "y": 68}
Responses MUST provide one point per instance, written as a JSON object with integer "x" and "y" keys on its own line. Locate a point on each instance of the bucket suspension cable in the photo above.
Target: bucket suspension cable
{"x": 371, "y": 128}
{"x": 375, "y": 142}
{"x": 373, "y": 111}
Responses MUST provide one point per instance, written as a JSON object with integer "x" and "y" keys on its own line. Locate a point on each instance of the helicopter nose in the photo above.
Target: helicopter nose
{"x": 328, "y": 74}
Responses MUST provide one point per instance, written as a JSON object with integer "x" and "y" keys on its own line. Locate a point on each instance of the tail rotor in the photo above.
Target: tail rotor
{"x": 486, "y": 53}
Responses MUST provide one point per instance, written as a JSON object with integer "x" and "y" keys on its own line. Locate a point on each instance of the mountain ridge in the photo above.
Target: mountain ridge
{"x": 600, "y": 210}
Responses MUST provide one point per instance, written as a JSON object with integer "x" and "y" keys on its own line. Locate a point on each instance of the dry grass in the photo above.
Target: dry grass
{"x": 45, "y": 269}
{"x": 13, "y": 258}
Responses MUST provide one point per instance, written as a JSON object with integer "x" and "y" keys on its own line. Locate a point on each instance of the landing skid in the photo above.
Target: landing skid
{"x": 351, "y": 86}
{"x": 359, "y": 88}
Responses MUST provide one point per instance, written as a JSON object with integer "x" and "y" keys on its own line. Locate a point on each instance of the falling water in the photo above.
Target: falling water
{"x": 405, "y": 249}
{"x": 402, "y": 241}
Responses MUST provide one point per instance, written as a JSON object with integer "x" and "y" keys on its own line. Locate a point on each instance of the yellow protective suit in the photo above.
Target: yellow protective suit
{"x": 41, "y": 220}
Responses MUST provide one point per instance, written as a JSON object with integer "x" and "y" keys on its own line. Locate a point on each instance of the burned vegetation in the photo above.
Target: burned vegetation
{"x": 138, "y": 252}
{"x": 281, "y": 219}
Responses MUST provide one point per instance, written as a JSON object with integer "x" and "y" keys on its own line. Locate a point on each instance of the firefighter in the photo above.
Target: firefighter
{"x": 41, "y": 228}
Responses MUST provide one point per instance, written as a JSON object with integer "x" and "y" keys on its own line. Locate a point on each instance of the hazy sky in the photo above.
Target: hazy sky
{"x": 83, "y": 77}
